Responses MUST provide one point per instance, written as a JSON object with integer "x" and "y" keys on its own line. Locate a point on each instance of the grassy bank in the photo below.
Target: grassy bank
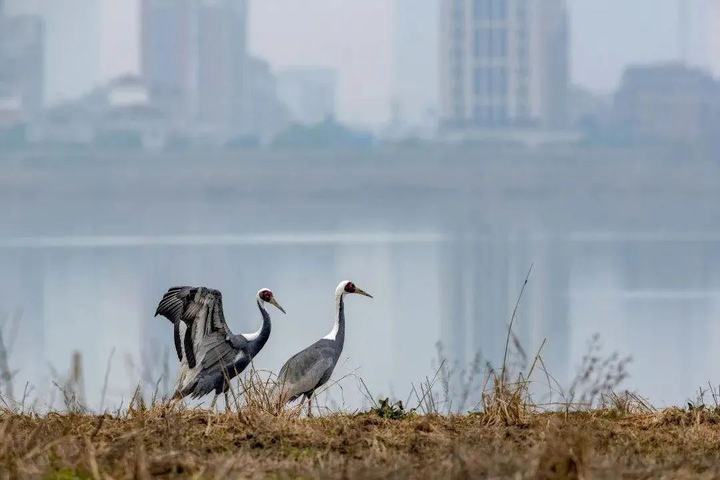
{"x": 164, "y": 442}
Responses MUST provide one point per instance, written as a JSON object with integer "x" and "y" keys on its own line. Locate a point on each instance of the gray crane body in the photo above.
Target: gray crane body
{"x": 312, "y": 367}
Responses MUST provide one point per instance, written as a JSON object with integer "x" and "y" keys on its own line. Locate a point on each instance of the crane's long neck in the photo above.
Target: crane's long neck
{"x": 337, "y": 334}
{"x": 257, "y": 340}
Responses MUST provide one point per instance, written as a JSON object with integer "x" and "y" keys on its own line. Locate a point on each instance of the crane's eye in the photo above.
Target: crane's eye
{"x": 350, "y": 287}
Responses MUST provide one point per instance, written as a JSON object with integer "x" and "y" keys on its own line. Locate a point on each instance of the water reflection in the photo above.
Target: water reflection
{"x": 88, "y": 249}
{"x": 76, "y": 295}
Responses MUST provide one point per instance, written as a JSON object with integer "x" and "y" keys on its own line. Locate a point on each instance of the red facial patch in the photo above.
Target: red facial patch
{"x": 266, "y": 295}
{"x": 350, "y": 287}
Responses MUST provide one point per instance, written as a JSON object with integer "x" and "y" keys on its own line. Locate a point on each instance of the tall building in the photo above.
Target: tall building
{"x": 668, "y": 103}
{"x": 21, "y": 67}
{"x": 168, "y": 54}
{"x": 263, "y": 113}
{"x": 194, "y": 55}
{"x": 222, "y": 60}
{"x": 504, "y": 63}
{"x": 86, "y": 42}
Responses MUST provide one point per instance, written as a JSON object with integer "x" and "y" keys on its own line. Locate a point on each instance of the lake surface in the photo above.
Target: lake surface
{"x": 623, "y": 243}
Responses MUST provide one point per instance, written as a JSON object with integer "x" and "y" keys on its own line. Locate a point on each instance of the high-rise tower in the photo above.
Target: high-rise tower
{"x": 194, "y": 55}
{"x": 503, "y": 63}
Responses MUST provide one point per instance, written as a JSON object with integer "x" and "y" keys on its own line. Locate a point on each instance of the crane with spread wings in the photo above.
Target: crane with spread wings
{"x": 209, "y": 353}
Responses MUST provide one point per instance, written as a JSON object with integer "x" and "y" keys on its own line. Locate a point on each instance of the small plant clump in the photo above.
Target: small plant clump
{"x": 391, "y": 411}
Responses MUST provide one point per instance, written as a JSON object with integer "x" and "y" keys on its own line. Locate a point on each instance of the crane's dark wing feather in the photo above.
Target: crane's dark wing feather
{"x": 173, "y": 304}
{"x": 178, "y": 340}
{"x": 189, "y": 305}
{"x": 206, "y": 302}
{"x": 186, "y": 303}
{"x": 189, "y": 350}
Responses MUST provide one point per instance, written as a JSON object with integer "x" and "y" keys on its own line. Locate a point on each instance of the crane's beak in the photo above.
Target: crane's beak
{"x": 362, "y": 292}
{"x": 274, "y": 302}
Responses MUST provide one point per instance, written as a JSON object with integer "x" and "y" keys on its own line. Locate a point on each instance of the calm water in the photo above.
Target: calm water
{"x": 87, "y": 249}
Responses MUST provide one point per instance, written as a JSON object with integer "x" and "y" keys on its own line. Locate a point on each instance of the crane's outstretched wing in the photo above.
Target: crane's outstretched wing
{"x": 306, "y": 371}
{"x": 200, "y": 308}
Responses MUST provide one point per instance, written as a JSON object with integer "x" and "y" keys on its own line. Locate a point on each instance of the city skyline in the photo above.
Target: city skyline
{"x": 336, "y": 37}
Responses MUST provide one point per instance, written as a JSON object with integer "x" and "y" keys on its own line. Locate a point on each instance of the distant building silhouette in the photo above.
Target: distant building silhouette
{"x": 503, "y": 64}
{"x": 118, "y": 114}
{"x": 197, "y": 68}
{"x": 308, "y": 93}
{"x": 21, "y": 67}
{"x": 669, "y": 103}
{"x": 263, "y": 113}
{"x": 222, "y": 60}
{"x": 168, "y": 56}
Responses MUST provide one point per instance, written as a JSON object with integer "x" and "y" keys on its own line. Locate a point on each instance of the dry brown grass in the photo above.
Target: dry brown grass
{"x": 586, "y": 431}
{"x": 173, "y": 442}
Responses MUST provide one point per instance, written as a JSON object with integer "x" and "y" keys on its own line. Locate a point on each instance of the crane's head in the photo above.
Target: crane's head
{"x": 265, "y": 295}
{"x": 349, "y": 287}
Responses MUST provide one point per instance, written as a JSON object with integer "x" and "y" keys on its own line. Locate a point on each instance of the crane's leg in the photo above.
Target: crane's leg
{"x": 174, "y": 400}
{"x": 309, "y": 399}
{"x": 214, "y": 401}
{"x": 227, "y": 401}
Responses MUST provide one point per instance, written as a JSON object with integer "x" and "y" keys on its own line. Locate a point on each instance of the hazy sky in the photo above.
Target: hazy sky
{"x": 353, "y": 36}
{"x": 357, "y": 37}
{"x": 609, "y": 34}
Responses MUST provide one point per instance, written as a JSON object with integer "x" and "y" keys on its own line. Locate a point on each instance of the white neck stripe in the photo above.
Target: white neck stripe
{"x": 333, "y": 333}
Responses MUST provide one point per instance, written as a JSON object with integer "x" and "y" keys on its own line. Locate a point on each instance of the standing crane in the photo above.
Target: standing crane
{"x": 311, "y": 368}
{"x": 210, "y": 354}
